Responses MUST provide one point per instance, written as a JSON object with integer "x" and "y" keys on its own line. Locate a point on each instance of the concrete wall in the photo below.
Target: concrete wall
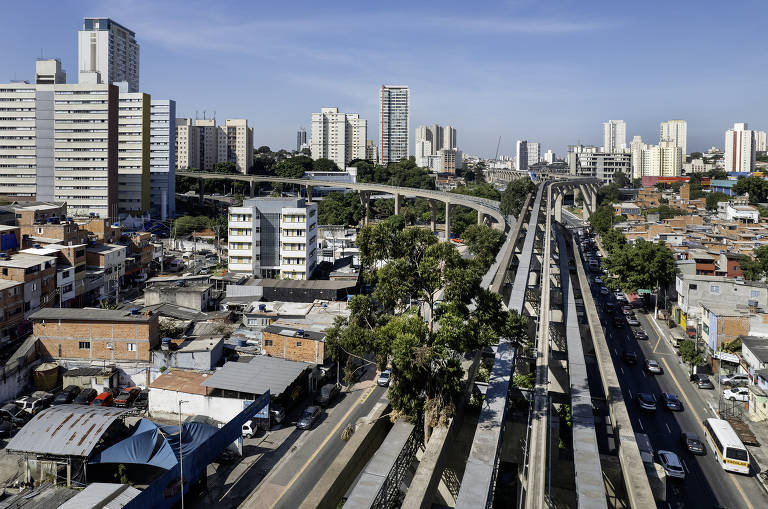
{"x": 165, "y": 404}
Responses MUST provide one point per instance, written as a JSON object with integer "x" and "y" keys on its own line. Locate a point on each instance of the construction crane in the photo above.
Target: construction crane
{"x": 497, "y": 150}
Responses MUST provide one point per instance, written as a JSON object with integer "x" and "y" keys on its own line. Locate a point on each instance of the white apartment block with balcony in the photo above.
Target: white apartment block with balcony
{"x": 273, "y": 238}
{"x": 740, "y": 148}
{"x": 340, "y": 137}
{"x": 109, "y": 49}
{"x": 675, "y": 131}
{"x": 162, "y": 160}
{"x": 394, "y": 123}
{"x": 133, "y": 151}
{"x": 201, "y": 144}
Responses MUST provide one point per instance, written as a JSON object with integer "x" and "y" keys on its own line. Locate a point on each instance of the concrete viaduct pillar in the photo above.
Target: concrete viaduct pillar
{"x": 310, "y": 191}
{"x": 365, "y": 199}
{"x": 201, "y": 187}
{"x": 559, "y": 205}
{"x": 480, "y": 217}
{"x": 253, "y": 188}
{"x": 447, "y": 221}
{"x": 397, "y": 204}
{"x": 433, "y": 207}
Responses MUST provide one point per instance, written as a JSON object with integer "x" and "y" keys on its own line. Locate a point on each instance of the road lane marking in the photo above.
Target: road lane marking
{"x": 657, "y": 341}
{"x": 668, "y": 429}
{"x": 640, "y": 423}
{"x": 701, "y": 428}
{"x": 685, "y": 466}
{"x": 314, "y": 454}
{"x": 366, "y": 395}
{"x": 622, "y": 370}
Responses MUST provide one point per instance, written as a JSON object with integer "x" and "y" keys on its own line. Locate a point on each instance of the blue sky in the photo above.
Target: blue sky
{"x": 545, "y": 71}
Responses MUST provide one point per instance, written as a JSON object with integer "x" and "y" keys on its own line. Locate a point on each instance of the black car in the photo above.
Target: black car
{"x": 66, "y": 396}
{"x": 671, "y": 402}
{"x": 327, "y": 394}
{"x": 630, "y": 358}
{"x": 6, "y": 428}
{"x": 610, "y": 307}
{"x": 692, "y": 443}
{"x": 86, "y": 396}
{"x": 646, "y": 401}
{"x": 142, "y": 400}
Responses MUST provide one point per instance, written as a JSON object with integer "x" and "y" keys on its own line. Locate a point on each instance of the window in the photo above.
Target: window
{"x": 267, "y": 342}
{"x": 693, "y": 287}
{"x": 298, "y": 343}
{"x": 714, "y": 289}
{"x": 131, "y": 347}
{"x": 754, "y": 294}
{"x": 84, "y": 345}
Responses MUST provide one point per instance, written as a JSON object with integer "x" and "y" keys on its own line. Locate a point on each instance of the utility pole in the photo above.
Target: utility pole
{"x": 181, "y": 453}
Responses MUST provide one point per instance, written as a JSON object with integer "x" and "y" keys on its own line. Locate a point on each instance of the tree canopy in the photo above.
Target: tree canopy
{"x": 324, "y": 164}
{"x": 756, "y": 267}
{"x": 756, "y": 187}
{"x": 714, "y": 198}
{"x": 603, "y": 218}
{"x": 641, "y": 265}
{"x": 513, "y": 197}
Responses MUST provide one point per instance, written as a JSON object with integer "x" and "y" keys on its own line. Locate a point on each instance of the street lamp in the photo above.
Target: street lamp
{"x": 181, "y": 453}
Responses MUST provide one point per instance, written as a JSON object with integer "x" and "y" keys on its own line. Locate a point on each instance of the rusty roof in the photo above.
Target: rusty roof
{"x": 65, "y": 430}
{"x": 181, "y": 381}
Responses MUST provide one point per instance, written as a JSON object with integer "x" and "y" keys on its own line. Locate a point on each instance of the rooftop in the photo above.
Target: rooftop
{"x": 105, "y": 248}
{"x": 23, "y": 260}
{"x": 285, "y": 328}
{"x": 90, "y": 314}
{"x": 258, "y": 376}
{"x": 65, "y": 430}
{"x": 726, "y": 308}
{"x": 7, "y": 283}
{"x": 190, "y": 382}
{"x": 757, "y": 345}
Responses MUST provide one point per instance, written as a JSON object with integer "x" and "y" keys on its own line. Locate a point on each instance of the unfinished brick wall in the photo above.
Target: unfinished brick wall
{"x": 293, "y": 348}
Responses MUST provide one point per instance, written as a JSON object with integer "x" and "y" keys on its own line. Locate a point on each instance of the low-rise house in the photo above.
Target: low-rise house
{"x": 95, "y": 334}
{"x": 197, "y": 296}
{"x": 293, "y": 343}
{"x": 721, "y": 323}
{"x": 198, "y": 353}
{"x": 37, "y": 273}
{"x": 11, "y": 310}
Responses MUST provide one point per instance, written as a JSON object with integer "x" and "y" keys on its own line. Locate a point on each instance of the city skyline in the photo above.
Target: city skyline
{"x": 295, "y": 68}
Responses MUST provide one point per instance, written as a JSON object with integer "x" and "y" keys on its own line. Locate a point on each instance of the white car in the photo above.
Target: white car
{"x": 735, "y": 380}
{"x": 672, "y": 464}
{"x": 384, "y": 378}
{"x": 652, "y": 367}
{"x": 736, "y": 394}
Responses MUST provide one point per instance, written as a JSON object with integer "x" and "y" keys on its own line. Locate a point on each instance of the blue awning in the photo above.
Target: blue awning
{"x": 8, "y": 241}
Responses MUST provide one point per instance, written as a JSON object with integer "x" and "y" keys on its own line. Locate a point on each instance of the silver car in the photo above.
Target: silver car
{"x": 672, "y": 464}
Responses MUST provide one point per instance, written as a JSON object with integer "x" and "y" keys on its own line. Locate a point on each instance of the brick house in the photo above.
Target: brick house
{"x": 293, "y": 343}
{"x": 37, "y": 273}
{"x": 103, "y": 334}
{"x": 11, "y": 309}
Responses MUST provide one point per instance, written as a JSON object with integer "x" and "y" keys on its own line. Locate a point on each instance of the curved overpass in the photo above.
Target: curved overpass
{"x": 483, "y": 206}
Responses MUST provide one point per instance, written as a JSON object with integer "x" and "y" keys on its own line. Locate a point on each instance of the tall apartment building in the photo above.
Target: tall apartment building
{"x": 636, "y": 148}
{"x": 109, "y": 49}
{"x": 371, "y": 151}
{"x": 59, "y": 141}
{"x": 273, "y": 237}
{"x": 740, "y": 148}
{"x": 162, "y": 158}
{"x": 549, "y": 156}
{"x": 521, "y": 154}
{"x": 301, "y": 138}
{"x": 201, "y": 143}
{"x": 662, "y": 160}
{"x": 133, "y": 162}
{"x": 394, "y": 123}
{"x": 534, "y": 153}
{"x": 675, "y": 131}
{"x": 614, "y": 136}
{"x": 439, "y": 137}
{"x": 601, "y": 165}
{"x": 337, "y": 136}
{"x": 761, "y": 144}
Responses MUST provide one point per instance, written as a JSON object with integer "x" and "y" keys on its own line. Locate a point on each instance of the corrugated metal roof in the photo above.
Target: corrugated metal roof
{"x": 65, "y": 430}
{"x": 102, "y": 495}
{"x": 257, "y": 376}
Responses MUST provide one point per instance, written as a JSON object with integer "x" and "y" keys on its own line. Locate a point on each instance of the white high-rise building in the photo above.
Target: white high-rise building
{"x": 534, "y": 153}
{"x": 394, "y": 123}
{"x": 371, "y": 151}
{"x": 58, "y": 141}
{"x": 133, "y": 151}
{"x": 614, "y": 136}
{"x": 521, "y": 161}
{"x": 662, "y": 160}
{"x": 339, "y": 137}
{"x": 273, "y": 238}
{"x": 109, "y": 49}
{"x": 201, "y": 144}
{"x": 675, "y": 131}
{"x": 636, "y": 148}
{"x": 760, "y": 141}
{"x": 423, "y": 152}
{"x": 549, "y": 156}
{"x": 439, "y": 137}
{"x": 162, "y": 161}
{"x": 740, "y": 148}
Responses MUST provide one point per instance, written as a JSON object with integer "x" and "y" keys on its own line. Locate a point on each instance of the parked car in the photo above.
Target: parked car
{"x": 86, "y": 396}
{"x": 652, "y": 367}
{"x": 671, "y": 402}
{"x": 327, "y": 394}
{"x": 618, "y": 323}
{"x": 308, "y": 417}
{"x": 384, "y": 377}
{"x": 703, "y": 382}
{"x": 126, "y": 397}
{"x": 598, "y": 281}
{"x": 646, "y": 401}
{"x": 604, "y": 290}
{"x": 6, "y": 428}
{"x": 630, "y": 358}
{"x": 14, "y": 414}
{"x": 30, "y": 405}
{"x": 671, "y": 464}
{"x": 627, "y": 312}
{"x": 620, "y": 296}
{"x": 610, "y": 307}
{"x": 736, "y": 394}
{"x": 692, "y": 443}
{"x": 103, "y": 399}
{"x": 641, "y": 334}
{"x": 631, "y": 320}
{"x": 142, "y": 400}
{"x": 66, "y": 396}
{"x": 734, "y": 380}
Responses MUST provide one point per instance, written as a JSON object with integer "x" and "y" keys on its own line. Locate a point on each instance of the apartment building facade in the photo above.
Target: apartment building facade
{"x": 11, "y": 310}
{"x": 36, "y": 273}
{"x": 162, "y": 159}
{"x": 740, "y": 148}
{"x": 394, "y": 123}
{"x": 201, "y": 143}
{"x": 109, "y": 50}
{"x": 273, "y": 237}
{"x": 340, "y": 137}
{"x": 133, "y": 151}
{"x": 675, "y": 131}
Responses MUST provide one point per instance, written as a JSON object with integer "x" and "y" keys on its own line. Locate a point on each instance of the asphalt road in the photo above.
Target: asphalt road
{"x": 295, "y": 476}
{"x": 706, "y": 483}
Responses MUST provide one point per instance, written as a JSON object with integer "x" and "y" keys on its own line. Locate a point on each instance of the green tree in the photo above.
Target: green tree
{"x": 290, "y": 168}
{"x": 483, "y": 242}
{"x": 756, "y": 187}
{"x": 324, "y": 164}
{"x": 263, "y": 150}
{"x": 665, "y": 211}
{"x": 755, "y": 268}
{"x": 513, "y": 197}
{"x": 717, "y": 174}
{"x": 642, "y": 265}
{"x": 609, "y": 194}
{"x": 714, "y": 198}
{"x": 690, "y": 354}
{"x": 602, "y": 219}
{"x": 620, "y": 179}
{"x": 340, "y": 208}
{"x": 227, "y": 167}
{"x": 613, "y": 239}
{"x": 696, "y": 155}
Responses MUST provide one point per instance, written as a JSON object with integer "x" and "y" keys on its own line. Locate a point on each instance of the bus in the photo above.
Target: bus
{"x": 725, "y": 444}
